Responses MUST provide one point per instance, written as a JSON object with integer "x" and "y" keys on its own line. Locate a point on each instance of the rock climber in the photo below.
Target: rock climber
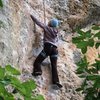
{"x": 49, "y": 49}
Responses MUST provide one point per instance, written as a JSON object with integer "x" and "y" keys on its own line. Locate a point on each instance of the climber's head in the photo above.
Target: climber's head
{"x": 53, "y": 22}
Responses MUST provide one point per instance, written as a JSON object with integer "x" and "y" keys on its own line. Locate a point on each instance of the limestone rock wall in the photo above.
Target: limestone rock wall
{"x": 19, "y": 44}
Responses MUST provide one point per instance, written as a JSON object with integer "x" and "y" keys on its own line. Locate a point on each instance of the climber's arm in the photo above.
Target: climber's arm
{"x": 38, "y": 22}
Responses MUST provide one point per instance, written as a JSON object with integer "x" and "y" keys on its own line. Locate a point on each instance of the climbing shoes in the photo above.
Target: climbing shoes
{"x": 57, "y": 86}
{"x": 37, "y": 73}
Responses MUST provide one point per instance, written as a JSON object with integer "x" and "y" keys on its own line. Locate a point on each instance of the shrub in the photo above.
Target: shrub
{"x": 9, "y": 77}
{"x": 90, "y": 73}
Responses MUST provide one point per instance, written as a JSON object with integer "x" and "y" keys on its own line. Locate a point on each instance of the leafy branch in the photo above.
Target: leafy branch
{"x": 9, "y": 76}
{"x": 89, "y": 72}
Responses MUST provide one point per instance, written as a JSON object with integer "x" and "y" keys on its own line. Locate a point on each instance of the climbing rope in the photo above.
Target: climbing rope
{"x": 44, "y": 10}
{"x": 44, "y": 16}
{"x": 34, "y": 28}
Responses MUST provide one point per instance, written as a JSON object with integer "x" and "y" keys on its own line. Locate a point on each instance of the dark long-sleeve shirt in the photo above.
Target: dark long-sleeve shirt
{"x": 50, "y": 33}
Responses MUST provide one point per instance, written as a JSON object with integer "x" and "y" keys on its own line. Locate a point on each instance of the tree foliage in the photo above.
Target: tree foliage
{"x": 9, "y": 77}
{"x": 89, "y": 72}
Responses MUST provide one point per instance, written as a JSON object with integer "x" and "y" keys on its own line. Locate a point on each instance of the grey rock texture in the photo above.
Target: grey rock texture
{"x": 19, "y": 44}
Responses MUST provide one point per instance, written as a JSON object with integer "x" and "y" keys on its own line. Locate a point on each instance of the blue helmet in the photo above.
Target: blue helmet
{"x": 54, "y": 22}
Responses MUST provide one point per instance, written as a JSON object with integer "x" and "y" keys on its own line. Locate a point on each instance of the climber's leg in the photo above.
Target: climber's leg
{"x": 37, "y": 64}
{"x": 53, "y": 59}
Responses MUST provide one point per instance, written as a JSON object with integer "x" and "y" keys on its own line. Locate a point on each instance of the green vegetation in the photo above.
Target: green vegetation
{"x": 9, "y": 77}
{"x": 86, "y": 39}
{"x": 90, "y": 73}
{"x": 1, "y": 4}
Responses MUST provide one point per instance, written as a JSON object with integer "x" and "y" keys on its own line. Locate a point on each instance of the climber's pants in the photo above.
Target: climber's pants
{"x": 51, "y": 51}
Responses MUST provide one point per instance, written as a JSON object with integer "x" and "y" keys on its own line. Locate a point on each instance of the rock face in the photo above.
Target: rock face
{"x": 19, "y": 44}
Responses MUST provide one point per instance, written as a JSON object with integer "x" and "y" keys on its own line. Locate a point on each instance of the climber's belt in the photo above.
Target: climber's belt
{"x": 50, "y": 45}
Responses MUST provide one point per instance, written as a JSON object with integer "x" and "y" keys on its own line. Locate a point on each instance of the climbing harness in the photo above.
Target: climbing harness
{"x": 54, "y": 56}
{"x": 43, "y": 54}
